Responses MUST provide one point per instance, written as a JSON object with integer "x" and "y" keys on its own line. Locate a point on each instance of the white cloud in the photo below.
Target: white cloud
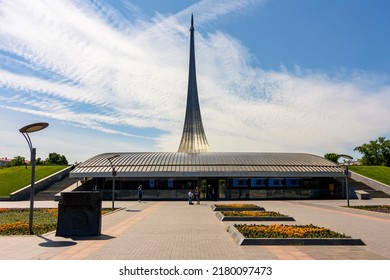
{"x": 87, "y": 65}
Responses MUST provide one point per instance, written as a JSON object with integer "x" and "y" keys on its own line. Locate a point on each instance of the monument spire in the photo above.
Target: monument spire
{"x": 194, "y": 138}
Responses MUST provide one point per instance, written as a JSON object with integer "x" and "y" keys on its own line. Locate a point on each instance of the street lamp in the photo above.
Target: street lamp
{"x": 346, "y": 172}
{"x": 25, "y": 131}
{"x": 113, "y": 178}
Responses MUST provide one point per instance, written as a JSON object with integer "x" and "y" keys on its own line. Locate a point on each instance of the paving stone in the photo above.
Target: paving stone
{"x": 175, "y": 230}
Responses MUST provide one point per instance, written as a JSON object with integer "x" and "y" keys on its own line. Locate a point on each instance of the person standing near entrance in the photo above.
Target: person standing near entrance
{"x": 139, "y": 193}
{"x": 190, "y": 197}
{"x": 208, "y": 192}
{"x": 213, "y": 197}
{"x": 197, "y": 195}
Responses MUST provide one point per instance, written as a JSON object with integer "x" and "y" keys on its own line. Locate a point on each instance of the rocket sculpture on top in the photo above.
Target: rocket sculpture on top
{"x": 194, "y": 138}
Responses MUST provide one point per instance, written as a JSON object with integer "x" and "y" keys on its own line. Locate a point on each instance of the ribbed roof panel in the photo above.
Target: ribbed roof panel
{"x": 212, "y": 163}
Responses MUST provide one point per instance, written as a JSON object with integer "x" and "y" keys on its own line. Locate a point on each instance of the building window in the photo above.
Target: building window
{"x": 276, "y": 182}
{"x": 293, "y": 182}
{"x": 240, "y": 183}
{"x": 258, "y": 182}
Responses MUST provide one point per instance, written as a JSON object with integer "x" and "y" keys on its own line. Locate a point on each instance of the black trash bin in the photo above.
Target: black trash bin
{"x": 79, "y": 214}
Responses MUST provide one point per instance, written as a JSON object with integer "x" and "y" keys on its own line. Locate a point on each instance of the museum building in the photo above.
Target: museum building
{"x": 219, "y": 175}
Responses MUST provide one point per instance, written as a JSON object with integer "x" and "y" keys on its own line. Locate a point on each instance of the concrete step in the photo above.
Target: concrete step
{"x": 50, "y": 191}
{"x": 354, "y": 185}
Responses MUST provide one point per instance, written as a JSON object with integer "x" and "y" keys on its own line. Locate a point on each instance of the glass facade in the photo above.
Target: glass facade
{"x": 250, "y": 188}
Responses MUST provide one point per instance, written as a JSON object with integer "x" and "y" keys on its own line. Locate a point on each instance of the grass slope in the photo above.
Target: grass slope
{"x": 17, "y": 177}
{"x": 378, "y": 173}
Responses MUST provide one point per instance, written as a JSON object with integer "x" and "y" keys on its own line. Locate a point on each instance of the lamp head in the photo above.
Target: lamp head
{"x": 112, "y": 157}
{"x": 346, "y": 156}
{"x": 33, "y": 127}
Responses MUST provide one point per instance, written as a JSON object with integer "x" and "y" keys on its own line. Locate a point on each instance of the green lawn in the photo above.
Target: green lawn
{"x": 17, "y": 177}
{"x": 378, "y": 173}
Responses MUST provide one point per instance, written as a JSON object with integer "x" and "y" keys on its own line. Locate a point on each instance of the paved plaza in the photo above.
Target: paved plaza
{"x": 174, "y": 230}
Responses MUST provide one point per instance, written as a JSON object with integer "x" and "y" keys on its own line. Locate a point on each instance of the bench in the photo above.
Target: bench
{"x": 362, "y": 194}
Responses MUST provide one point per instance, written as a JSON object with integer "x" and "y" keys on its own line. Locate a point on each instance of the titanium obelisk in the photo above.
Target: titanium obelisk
{"x": 194, "y": 138}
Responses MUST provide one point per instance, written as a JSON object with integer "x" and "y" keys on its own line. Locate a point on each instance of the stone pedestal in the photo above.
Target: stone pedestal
{"x": 79, "y": 214}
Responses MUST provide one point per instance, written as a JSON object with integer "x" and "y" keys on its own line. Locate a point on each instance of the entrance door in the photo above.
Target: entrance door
{"x": 213, "y": 188}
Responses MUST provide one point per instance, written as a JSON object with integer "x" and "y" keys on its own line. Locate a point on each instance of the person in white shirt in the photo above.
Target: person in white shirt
{"x": 190, "y": 197}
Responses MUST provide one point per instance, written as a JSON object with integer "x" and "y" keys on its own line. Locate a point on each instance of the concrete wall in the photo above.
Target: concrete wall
{"x": 371, "y": 183}
{"x": 24, "y": 193}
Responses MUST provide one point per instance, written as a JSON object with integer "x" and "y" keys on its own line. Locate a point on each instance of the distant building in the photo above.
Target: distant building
{"x": 219, "y": 175}
{"x": 4, "y": 161}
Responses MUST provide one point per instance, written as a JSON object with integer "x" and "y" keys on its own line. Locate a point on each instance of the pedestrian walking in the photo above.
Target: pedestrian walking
{"x": 197, "y": 195}
{"x": 139, "y": 193}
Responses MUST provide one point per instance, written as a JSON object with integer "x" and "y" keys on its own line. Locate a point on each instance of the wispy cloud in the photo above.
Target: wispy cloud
{"x": 92, "y": 66}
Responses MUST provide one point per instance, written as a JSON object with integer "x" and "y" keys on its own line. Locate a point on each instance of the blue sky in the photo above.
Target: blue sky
{"x": 273, "y": 76}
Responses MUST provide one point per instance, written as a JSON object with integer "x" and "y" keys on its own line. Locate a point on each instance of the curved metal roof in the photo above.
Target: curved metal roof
{"x": 212, "y": 164}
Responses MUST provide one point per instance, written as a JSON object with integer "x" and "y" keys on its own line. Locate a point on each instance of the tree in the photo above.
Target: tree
{"x": 39, "y": 161}
{"x": 332, "y": 157}
{"x": 56, "y": 159}
{"x": 17, "y": 161}
{"x": 376, "y": 152}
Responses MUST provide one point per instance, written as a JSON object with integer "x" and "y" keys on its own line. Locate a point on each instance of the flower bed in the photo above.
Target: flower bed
{"x": 375, "y": 208}
{"x": 279, "y": 234}
{"x": 287, "y": 231}
{"x": 252, "y": 216}
{"x": 14, "y": 221}
{"x": 237, "y": 207}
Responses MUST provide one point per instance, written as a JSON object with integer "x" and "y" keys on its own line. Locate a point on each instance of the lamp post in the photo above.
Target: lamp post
{"x": 346, "y": 172}
{"x": 113, "y": 177}
{"x": 25, "y": 131}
